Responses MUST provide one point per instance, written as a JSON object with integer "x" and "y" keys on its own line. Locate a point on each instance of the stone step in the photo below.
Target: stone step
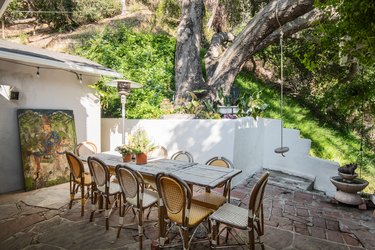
{"x": 280, "y": 179}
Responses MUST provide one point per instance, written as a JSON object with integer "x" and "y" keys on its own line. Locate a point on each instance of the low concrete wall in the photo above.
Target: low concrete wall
{"x": 248, "y": 143}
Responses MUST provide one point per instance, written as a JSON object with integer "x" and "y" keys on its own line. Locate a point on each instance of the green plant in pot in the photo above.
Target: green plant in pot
{"x": 126, "y": 151}
{"x": 140, "y": 145}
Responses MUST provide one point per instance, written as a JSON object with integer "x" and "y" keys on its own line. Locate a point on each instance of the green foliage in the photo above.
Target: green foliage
{"x": 355, "y": 27}
{"x": 88, "y": 11}
{"x": 10, "y": 15}
{"x": 168, "y": 8}
{"x": 142, "y": 57}
{"x": 316, "y": 74}
{"x": 62, "y": 19}
{"x": 139, "y": 142}
{"x": 63, "y": 14}
{"x": 251, "y": 105}
{"x": 124, "y": 149}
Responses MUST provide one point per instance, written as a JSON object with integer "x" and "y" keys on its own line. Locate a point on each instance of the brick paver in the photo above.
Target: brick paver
{"x": 317, "y": 232}
{"x": 334, "y": 236}
{"x": 332, "y": 225}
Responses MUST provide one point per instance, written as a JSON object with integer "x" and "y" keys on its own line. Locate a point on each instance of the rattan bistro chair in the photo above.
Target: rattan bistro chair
{"x": 84, "y": 150}
{"x": 158, "y": 152}
{"x": 78, "y": 179}
{"x": 182, "y": 156}
{"x": 214, "y": 199}
{"x": 250, "y": 219}
{"x": 135, "y": 196}
{"x": 175, "y": 205}
{"x": 104, "y": 187}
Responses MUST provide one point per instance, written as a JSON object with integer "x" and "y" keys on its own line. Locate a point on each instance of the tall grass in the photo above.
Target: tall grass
{"x": 327, "y": 143}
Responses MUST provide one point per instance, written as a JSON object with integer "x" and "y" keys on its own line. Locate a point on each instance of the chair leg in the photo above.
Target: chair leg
{"x": 227, "y": 235}
{"x": 217, "y": 233}
{"x": 214, "y": 232}
{"x": 251, "y": 239}
{"x": 121, "y": 219}
{"x": 140, "y": 227}
{"x": 82, "y": 199}
{"x": 149, "y": 212}
{"x": 106, "y": 212}
{"x": 72, "y": 189}
{"x": 185, "y": 238}
{"x": 94, "y": 200}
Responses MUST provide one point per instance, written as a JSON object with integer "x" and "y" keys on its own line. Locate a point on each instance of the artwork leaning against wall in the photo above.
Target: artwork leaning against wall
{"x": 45, "y": 135}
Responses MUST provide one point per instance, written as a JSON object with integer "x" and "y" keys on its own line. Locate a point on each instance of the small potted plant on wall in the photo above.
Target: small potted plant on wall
{"x": 125, "y": 151}
{"x": 140, "y": 145}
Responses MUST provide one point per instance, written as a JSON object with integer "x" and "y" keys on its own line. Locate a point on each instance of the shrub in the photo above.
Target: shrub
{"x": 146, "y": 58}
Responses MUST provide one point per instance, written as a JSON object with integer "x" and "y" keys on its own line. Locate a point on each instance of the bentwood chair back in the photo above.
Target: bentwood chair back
{"x": 176, "y": 206}
{"x": 135, "y": 197}
{"x": 104, "y": 187}
{"x": 78, "y": 179}
{"x": 214, "y": 199}
{"x": 182, "y": 156}
{"x": 86, "y": 148}
{"x": 158, "y": 152}
{"x": 250, "y": 219}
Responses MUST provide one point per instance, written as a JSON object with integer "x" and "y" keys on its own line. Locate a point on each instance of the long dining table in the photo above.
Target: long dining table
{"x": 192, "y": 173}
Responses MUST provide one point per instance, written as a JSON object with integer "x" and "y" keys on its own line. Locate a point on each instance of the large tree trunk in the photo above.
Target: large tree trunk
{"x": 188, "y": 71}
{"x": 223, "y": 64}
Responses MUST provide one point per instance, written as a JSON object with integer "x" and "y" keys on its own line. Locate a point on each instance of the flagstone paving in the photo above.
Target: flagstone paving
{"x": 294, "y": 218}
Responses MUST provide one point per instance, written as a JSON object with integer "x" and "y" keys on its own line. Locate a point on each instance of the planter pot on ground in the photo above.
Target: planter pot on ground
{"x": 127, "y": 158}
{"x": 141, "y": 159}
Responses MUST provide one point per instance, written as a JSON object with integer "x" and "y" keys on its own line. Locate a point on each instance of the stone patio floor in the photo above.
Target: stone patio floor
{"x": 294, "y": 219}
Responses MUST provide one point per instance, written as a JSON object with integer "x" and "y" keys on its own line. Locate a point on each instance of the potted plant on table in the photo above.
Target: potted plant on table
{"x": 140, "y": 145}
{"x": 125, "y": 151}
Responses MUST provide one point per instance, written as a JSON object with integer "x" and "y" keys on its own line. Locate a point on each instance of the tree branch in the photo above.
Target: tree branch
{"x": 298, "y": 24}
{"x": 215, "y": 50}
{"x": 263, "y": 25}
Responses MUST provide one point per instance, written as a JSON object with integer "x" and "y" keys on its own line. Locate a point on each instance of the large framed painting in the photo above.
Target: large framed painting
{"x": 45, "y": 135}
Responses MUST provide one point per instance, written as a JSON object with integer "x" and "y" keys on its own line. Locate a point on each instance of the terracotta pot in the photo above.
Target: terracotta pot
{"x": 127, "y": 158}
{"x": 141, "y": 159}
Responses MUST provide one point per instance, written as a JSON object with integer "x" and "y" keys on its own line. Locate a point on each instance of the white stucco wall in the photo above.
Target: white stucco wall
{"x": 54, "y": 89}
{"x": 248, "y": 143}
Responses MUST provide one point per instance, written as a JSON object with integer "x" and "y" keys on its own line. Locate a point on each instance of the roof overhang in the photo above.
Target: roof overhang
{"x": 36, "y": 57}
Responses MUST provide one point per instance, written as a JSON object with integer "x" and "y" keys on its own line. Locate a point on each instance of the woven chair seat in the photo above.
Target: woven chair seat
{"x": 232, "y": 215}
{"x": 149, "y": 198}
{"x": 196, "y": 216}
{"x": 211, "y": 200}
{"x": 88, "y": 179}
{"x": 113, "y": 188}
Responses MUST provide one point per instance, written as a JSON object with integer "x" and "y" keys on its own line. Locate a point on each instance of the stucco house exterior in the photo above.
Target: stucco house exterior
{"x": 44, "y": 80}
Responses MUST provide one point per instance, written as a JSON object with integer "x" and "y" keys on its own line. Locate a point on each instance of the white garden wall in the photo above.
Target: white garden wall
{"x": 248, "y": 143}
{"x": 54, "y": 89}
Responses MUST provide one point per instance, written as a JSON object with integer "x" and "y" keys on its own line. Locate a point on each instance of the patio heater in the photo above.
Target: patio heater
{"x": 123, "y": 88}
